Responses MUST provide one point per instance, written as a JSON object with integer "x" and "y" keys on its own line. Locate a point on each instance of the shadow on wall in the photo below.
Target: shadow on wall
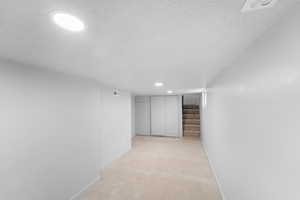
{"x": 251, "y": 122}
{"x": 57, "y": 132}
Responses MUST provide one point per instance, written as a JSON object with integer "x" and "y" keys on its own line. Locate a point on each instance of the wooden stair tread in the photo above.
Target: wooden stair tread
{"x": 191, "y": 133}
{"x": 191, "y": 112}
{"x": 191, "y": 121}
{"x": 190, "y": 106}
{"x": 191, "y": 125}
{"x": 191, "y": 116}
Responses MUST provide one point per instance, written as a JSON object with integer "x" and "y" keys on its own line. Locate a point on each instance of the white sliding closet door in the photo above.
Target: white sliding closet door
{"x": 171, "y": 116}
{"x": 142, "y": 115}
{"x": 157, "y": 115}
{"x": 165, "y": 116}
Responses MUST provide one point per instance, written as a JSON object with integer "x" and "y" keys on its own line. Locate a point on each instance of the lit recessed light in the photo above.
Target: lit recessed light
{"x": 158, "y": 84}
{"x": 251, "y": 5}
{"x": 68, "y": 22}
{"x": 265, "y": 2}
{"x": 170, "y": 92}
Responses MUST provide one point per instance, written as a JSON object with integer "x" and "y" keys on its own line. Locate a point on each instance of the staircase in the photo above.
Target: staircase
{"x": 191, "y": 120}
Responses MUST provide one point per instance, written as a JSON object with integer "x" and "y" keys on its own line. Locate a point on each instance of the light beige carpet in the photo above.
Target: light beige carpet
{"x": 158, "y": 168}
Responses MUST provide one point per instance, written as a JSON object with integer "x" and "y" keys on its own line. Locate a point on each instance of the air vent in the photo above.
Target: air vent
{"x": 252, "y": 5}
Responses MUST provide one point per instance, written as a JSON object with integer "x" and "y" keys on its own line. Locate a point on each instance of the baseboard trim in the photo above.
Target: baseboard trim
{"x": 75, "y": 196}
{"x": 214, "y": 172}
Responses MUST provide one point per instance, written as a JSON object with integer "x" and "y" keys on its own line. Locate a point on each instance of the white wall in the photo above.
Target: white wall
{"x": 116, "y": 125}
{"x": 133, "y": 134}
{"x": 252, "y": 119}
{"x": 57, "y": 131}
{"x": 191, "y": 99}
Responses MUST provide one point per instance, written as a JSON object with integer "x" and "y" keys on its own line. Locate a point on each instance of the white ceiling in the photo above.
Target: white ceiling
{"x": 130, "y": 44}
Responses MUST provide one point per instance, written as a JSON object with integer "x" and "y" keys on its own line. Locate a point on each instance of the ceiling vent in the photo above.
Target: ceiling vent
{"x": 252, "y": 5}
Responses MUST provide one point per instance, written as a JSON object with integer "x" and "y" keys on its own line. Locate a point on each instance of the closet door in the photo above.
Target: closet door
{"x": 171, "y": 116}
{"x": 142, "y": 115}
{"x": 157, "y": 115}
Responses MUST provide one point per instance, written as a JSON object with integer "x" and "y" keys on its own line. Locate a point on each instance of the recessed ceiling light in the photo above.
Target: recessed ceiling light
{"x": 251, "y": 5}
{"x": 158, "y": 84}
{"x": 68, "y": 22}
{"x": 265, "y": 2}
{"x": 170, "y": 92}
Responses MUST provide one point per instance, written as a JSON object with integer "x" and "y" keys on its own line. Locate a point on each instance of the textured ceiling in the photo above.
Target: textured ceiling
{"x": 131, "y": 44}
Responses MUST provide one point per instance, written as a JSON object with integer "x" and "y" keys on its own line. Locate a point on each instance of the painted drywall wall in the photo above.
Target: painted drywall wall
{"x": 116, "y": 126}
{"x": 191, "y": 99}
{"x": 133, "y": 134}
{"x": 57, "y": 132}
{"x": 251, "y": 121}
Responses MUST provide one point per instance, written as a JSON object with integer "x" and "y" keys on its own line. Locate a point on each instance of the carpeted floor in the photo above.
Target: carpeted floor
{"x": 158, "y": 168}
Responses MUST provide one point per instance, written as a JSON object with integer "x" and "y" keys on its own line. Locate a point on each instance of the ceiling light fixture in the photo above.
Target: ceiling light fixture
{"x": 158, "y": 84}
{"x": 251, "y": 5}
{"x": 265, "y": 2}
{"x": 170, "y": 92}
{"x": 68, "y": 22}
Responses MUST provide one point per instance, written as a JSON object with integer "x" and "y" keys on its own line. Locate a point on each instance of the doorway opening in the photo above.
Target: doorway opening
{"x": 191, "y": 115}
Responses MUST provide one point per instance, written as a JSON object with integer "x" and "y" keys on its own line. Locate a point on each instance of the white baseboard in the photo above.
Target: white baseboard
{"x": 214, "y": 172}
{"x": 77, "y": 195}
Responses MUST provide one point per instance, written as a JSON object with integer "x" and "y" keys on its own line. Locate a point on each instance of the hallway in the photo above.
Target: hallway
{"x": 158, "y": 168}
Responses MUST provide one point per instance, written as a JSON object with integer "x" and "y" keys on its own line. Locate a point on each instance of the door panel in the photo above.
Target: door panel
{"x": 157, "y": 115}
{"x": 142, "y": 116}
{"x": 171, "y": 116}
